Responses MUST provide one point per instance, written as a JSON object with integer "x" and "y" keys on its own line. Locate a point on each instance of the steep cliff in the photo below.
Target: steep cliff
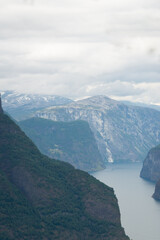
{"x": 71, "y": 142}
{"x": 44, "y": 199}
{"x": 151, "y": 165}
{"x": 123, "y": 133}
{"x": 156, "y": 194}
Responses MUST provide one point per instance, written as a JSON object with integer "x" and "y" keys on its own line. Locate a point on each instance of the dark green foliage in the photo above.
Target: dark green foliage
{"x": 42, "y": 198}
{"x": 18, "y": 219}
{"x": 72, "y": 142}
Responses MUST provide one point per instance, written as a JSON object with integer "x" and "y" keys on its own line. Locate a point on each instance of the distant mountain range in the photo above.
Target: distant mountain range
{"x": 72, "y": 142}
{"x": 139, "y": 104}
{"x": 21, "y": 106}
{"x": 44, "y": 199}
{"x": 123, "y": 133}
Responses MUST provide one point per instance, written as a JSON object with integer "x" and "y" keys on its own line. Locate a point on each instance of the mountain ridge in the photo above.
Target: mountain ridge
{"x": 22, "y": 105}
{"x": 43, "y": 199}
{"x": 123, "y": 133}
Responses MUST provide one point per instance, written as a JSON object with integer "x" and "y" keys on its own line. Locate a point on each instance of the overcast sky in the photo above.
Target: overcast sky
{"x": 79, "y": 48}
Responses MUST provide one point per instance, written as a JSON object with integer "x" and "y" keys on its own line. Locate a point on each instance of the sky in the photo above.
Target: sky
{"x": 81, "y": 48}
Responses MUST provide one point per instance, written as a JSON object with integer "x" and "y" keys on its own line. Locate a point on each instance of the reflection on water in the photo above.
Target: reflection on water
{"x": 140, "y": 213}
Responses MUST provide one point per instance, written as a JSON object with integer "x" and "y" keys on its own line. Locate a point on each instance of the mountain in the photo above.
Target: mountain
{"x": 156, "y": 194}
{"x": 151, "y": 165}
{"x": 72, "y": 142}
{"x": 151, "y": 169}
{"x": 123, "y": 133}
{"x": 156, "y": 107}
{"x": 44, "y": 199}
{"x": 21, "y": 106}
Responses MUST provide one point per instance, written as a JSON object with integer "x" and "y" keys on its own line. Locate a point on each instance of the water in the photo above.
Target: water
{"x": 140, "y": 213}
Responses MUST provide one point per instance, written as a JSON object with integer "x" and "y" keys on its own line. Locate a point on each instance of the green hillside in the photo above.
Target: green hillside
{"x": 72, "y": 142}
{"x": 42, "y": 198}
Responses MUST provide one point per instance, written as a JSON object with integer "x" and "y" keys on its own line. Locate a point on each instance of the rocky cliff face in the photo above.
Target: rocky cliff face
{"x": 151, "y": 165}
{"x": 43, "y": 199}
{"x": 156, "y": 194}
{"x": 151, "y": 169}
{"x": 71, "y": 142}
{"x": 123, "y": 133}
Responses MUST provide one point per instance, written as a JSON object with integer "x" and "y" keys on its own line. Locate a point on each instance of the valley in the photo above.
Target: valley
{"x": 94, "y": 134}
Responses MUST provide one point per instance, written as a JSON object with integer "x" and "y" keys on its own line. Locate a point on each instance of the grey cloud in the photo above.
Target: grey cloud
{"x": 80, "y": 48}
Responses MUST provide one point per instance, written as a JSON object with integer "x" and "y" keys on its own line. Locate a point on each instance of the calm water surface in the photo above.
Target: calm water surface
{"x": 140, "y": 213}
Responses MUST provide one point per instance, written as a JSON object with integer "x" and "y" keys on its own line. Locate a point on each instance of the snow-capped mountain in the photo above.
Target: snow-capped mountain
{"x": 21, "y": 106}
{"x": 123, "y": 133}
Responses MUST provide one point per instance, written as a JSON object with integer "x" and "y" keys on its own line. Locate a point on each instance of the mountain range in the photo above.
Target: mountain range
{"x": 123, "y": 133}
{"x": 44, "y": 199}
{"x": 140, "y": 104}
{"x": 21, "y": 106}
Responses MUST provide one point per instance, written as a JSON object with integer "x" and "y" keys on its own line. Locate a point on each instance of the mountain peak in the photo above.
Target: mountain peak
{"x": 98, "y": 100}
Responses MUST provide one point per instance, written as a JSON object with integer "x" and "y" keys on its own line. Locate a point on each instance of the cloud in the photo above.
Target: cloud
{"x": 80, "y": 48}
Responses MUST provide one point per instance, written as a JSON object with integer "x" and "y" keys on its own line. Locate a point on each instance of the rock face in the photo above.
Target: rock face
{"x": 43, "y": 199}
{"x": 156, "y": 194}
{"x": 151, "y": 165}
{"x": 151, "y": 169}
{"x": 123, "y": 133}
{"x": 22, "y": 106}
{"x": 71, "y": 142}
